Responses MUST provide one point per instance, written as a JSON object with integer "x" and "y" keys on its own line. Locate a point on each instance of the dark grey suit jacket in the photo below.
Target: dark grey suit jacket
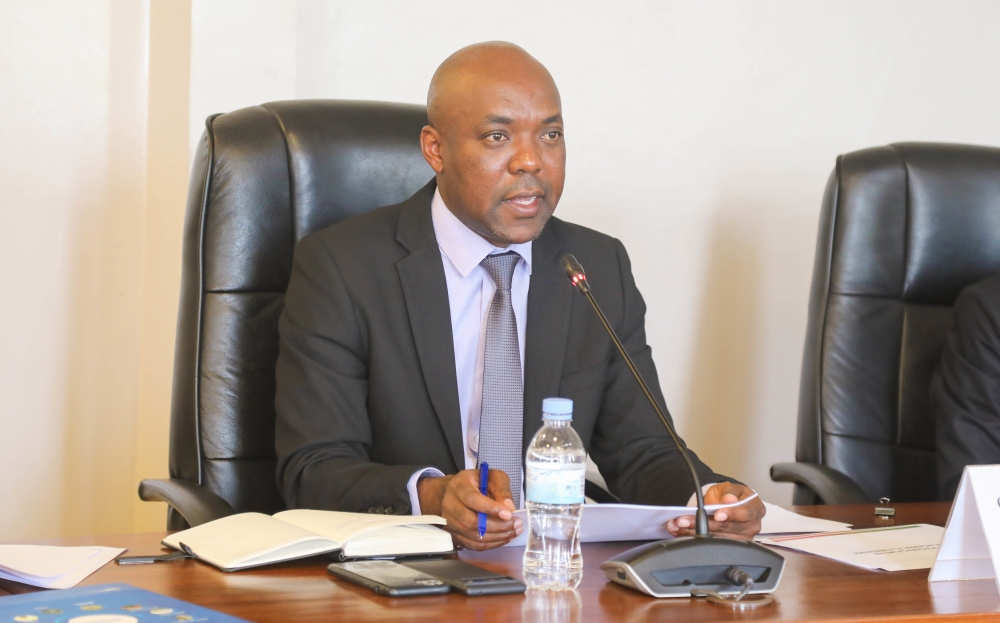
{"x": 366, "y": 384}
{"x": 965, "y": 390}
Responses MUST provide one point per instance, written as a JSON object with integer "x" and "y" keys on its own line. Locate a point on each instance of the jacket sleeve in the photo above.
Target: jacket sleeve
{"x": 323, "y": 434}
{"x": 965, "y": 389}
{"x": 630, "y": 445}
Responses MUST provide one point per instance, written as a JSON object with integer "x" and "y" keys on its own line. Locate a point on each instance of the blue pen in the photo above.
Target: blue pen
{"x": 484, "y": 481}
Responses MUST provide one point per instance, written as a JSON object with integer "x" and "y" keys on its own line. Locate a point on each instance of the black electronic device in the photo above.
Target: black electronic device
{"x": 389, "y": 578}
{"x": 468, "y": 579}
{"x": 680, "y": 567}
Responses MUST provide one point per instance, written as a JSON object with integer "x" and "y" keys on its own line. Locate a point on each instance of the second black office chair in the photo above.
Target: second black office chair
{"x": 903, "y": 229}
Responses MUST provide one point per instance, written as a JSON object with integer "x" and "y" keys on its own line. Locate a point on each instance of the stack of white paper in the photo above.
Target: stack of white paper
{"x": 896, "y": 548}
{"x": 52, "y": 567}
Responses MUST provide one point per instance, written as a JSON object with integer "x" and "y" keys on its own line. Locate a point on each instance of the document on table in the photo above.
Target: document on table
{"x": 52, "y": 567}
{"x": 895, "y": 548}
{"x": 781, "y": 521}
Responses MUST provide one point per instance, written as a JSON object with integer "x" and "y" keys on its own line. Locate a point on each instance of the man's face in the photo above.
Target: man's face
{"x": 499, "y": 154}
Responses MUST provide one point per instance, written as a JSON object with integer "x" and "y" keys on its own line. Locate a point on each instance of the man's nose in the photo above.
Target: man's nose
{"x": 526, "y": 158}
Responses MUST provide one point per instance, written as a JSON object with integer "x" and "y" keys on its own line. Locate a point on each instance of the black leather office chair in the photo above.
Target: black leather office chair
{"x": 263, "y": 178}
{"x": 904, "y": 228}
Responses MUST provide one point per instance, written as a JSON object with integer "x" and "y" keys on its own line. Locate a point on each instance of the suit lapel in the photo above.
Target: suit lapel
{"x": 549, "y": 303}
{"x": 425, "y": 290}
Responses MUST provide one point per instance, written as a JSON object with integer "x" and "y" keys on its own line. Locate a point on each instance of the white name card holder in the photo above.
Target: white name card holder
{"x": 970, "y": 549}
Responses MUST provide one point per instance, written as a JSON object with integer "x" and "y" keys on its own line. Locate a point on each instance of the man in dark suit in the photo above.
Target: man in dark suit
{"x": 421, "y": 338}
{"x": 965, "y": 390}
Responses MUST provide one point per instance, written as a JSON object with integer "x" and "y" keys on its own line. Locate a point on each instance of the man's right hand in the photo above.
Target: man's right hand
{"x": 458, "y": 500}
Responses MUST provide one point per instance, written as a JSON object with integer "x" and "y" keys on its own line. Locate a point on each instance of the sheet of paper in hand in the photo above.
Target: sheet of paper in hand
{"x": 627, "y": 522}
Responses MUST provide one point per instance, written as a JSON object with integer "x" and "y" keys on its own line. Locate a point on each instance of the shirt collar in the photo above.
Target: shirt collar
{"x": 464, "y": 247}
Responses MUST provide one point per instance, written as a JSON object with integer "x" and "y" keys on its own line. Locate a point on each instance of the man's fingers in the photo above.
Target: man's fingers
{"x": 498, "y": 525}
{"x": 494, "y": 533}
{"x": 751, "y": 511}
{"x": 737, "y": 522}
{"x": 499, "y": 488}
{"x": 736, "y": 513}
{"x": 716, "y": 493}
{"x": 723, "y": 530}
{"x": 476, "y": 544}
{"x": 495, "y": 536}
{"x": 731, "y": 530}
{"x": 468, "y": 519}
{"x": 463, "y": 502}
{"x": 473, "y": 499}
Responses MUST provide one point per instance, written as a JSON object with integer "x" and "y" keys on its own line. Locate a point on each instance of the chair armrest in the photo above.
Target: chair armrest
{"x": 830, "y": 485}
{"x": 195, "y": 503}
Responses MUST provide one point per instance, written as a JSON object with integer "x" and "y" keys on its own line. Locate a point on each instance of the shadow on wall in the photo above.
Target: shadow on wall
{"x": 104, "y": 262}
{"x": 724, "y": 364}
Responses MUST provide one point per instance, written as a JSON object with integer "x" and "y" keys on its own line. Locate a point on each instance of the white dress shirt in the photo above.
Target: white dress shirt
{"x": 470, "y": 292}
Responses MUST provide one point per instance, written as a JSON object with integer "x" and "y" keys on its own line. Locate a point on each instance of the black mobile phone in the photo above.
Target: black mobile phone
{"x": 388, "y": 578}
{"x": 468, "y": 579}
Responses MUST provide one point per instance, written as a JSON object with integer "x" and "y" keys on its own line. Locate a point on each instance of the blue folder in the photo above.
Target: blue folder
{"x": 119, "y": 603}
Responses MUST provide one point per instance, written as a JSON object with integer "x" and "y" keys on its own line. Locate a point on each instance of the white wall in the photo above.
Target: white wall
{"x": 57, "y": 367}
{"x": 89, "y": 258}
{"x": 700, "y": 133}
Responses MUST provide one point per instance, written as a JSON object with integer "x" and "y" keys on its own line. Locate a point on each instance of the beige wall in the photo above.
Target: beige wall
{"x": 93, "y": 173}
{"x": 701, "y": 134}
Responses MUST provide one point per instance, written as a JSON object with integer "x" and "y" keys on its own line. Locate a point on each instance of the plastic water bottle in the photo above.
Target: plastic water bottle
{"x": 555, "y": 471}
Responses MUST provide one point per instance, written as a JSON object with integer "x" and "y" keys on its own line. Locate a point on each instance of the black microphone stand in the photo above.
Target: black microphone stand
{"x": 702, "y": 565}
{"x": 579, "y": 279}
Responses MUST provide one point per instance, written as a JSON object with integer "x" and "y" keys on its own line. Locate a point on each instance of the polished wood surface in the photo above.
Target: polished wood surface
{"x": 812, "y": 588}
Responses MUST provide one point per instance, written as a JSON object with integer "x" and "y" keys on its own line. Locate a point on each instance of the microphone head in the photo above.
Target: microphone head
{"x": 575, "y": 272}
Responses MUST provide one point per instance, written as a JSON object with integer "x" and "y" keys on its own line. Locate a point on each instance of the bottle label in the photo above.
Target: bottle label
{"x": 545, "y": 485}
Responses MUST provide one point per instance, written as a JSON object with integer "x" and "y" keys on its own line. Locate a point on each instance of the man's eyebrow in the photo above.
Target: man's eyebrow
{"x": 556, "y": 118}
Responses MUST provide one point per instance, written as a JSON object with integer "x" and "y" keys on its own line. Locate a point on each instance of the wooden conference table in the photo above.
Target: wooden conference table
{"x": 812, "y": 588}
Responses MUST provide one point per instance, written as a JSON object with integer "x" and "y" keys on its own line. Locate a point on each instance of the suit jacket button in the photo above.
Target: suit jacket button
{"x": 388, "y": 510}
{"x": 371, "y": 509}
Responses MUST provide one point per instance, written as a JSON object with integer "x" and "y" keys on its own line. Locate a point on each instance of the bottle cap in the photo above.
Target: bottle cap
{"x": 557, "y": 409}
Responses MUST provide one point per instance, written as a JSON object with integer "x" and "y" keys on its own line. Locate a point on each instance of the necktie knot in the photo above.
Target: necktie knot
{"x": 501, "y": 268}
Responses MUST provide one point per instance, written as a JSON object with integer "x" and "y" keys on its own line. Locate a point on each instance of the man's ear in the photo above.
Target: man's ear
{"x": 430, "y": 145}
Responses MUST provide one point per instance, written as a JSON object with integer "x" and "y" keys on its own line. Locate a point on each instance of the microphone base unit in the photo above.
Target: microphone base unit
{"x": 678, "y": 567}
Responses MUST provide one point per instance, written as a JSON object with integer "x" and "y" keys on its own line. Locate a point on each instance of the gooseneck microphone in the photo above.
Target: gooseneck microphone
{"x": 579, "y": 278}
{"x": 687, "y": 566}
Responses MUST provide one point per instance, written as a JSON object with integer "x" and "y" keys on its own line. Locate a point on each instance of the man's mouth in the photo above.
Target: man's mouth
{"x": 525, "y": 204}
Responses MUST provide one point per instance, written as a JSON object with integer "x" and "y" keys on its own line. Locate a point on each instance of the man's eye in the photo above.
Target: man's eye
{"x": 496, "y": 137}
{"x": 553, "y": 135}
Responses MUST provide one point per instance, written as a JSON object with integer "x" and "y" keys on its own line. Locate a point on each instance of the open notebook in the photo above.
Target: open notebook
{"x": 254, "y": 539}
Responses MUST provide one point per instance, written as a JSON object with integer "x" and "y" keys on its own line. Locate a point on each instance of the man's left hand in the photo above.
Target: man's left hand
{"x": 739, "y": 522}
